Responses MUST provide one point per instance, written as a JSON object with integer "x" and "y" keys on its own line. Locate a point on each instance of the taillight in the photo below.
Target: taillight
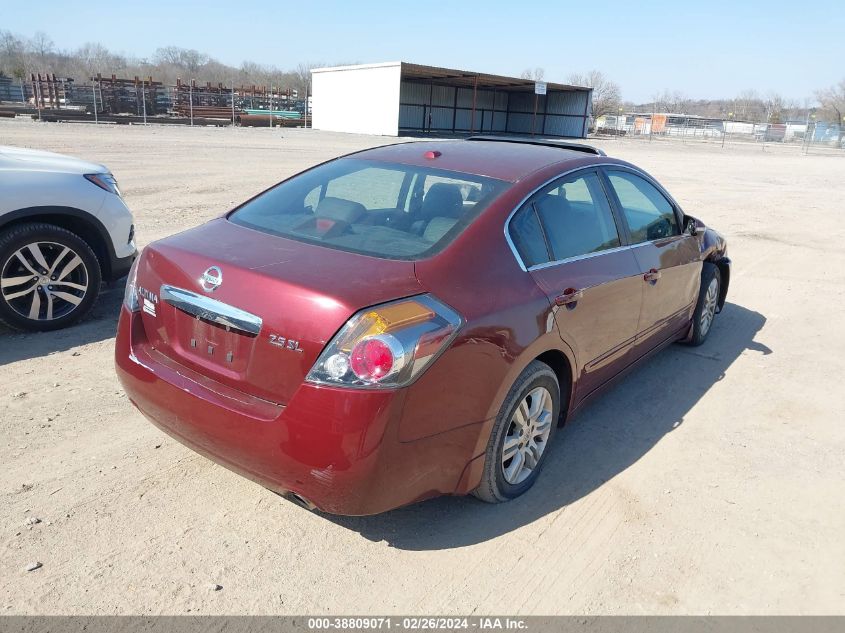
{"x": 388, "y": 345}
{"x": 130, "y": 295}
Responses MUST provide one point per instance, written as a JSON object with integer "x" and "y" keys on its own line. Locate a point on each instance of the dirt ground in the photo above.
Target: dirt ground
{"x": 712, "y": 480}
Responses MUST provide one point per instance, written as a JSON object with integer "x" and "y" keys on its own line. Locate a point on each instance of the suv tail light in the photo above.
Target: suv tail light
{"x": 388, "y": 345}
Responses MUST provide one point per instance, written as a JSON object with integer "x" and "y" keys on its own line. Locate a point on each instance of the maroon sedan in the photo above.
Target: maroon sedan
{"x": 413, "y": 320}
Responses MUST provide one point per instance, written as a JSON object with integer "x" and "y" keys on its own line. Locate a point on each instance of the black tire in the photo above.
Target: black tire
{"x": 700, "y": 330}
{"x": 56, "y": 239}
{"x": 494, "y": 487}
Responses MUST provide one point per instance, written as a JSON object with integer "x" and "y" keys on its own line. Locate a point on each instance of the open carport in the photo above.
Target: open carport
{"x": 398, "y": 97}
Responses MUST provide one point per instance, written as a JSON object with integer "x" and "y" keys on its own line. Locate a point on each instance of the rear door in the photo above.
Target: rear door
{"x": 570, "y": 243}
{"x": 669, "y": 260}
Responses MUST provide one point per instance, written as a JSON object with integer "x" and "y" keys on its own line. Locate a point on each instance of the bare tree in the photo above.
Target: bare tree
{"x": 775, "y": 106}
{"x": 832, "y": 101}
{"x": 745, "y": 104}
{"x": 41, "y": 46}
{"x": 193, "y": 60}
{"x": 535, "y": 74}
{"x": 180, "y": 61}
{"x": 12, "y": 55}
{"x": 607, "y": 96}
{"x": 675, "y": 102}
{"x": 302, "y": 77}
{"x": 94, "y": 58}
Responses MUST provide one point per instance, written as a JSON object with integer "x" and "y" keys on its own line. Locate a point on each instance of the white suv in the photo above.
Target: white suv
{"x": 64, "y": 228}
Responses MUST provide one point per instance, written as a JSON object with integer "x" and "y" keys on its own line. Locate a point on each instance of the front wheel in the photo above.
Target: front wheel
{"x": 519, "y": 443}
{"x": 49, "y": 277}
{"x": 708, "y": 302}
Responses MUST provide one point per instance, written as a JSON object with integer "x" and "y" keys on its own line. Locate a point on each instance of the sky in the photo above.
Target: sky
{"x": 707, "y": 50}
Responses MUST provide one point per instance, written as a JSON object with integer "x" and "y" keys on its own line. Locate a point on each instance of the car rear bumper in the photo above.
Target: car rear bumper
{"x": 336, "y": 448}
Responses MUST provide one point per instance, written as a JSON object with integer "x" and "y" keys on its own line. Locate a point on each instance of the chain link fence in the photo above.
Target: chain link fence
{"x": 807, "y": 136}
{"x": 121, "y": 100}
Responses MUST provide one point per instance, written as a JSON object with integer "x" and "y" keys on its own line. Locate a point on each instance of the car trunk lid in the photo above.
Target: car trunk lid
{"x": 252, "y": 310}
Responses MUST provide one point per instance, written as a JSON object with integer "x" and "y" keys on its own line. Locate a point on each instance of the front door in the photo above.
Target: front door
{"x": 669, "y": 260}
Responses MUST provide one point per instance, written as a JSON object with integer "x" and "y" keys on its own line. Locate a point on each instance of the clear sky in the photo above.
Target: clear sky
{"x": 709, "y": 49}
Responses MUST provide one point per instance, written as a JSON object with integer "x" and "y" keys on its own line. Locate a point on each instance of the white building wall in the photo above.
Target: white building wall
{"x": 339, "y": 107}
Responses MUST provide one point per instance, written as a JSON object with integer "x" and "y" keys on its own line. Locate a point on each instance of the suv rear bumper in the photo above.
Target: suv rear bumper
{"x": 119, "y": 266}
{"x": 336, "y": 448}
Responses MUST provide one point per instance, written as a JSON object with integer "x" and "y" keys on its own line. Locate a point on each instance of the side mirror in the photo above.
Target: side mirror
{"x": 691, "y": 225}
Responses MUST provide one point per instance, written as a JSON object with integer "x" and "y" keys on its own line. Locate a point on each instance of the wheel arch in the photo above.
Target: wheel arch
{"x": 553, "y": 351}
{"x": 562, "y": 366}
{"x": 723, "y": 264}
{"x": 77, "y": 221}
{"x": 549, "y": 349}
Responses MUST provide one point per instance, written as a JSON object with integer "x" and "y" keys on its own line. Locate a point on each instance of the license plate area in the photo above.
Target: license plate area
{"x": 211, "y": 334}
{"x": 212, "y": 346}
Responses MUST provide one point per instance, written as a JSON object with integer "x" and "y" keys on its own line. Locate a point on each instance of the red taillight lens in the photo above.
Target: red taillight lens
{"x": 371, "y": 359}
{"x": 388, "y": 345}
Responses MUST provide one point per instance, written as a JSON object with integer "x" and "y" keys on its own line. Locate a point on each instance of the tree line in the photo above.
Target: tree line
{"x": 20, "y": 56}
{"x": 826, "y": 104}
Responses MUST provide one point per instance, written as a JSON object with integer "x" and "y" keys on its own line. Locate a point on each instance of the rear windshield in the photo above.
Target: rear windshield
{"x": 382, "y": 209}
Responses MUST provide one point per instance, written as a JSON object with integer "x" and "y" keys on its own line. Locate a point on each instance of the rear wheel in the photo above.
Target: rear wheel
{"x": 521, "y": 436}
{"x": 49, "y": 277}
{"x": 708, "y": 302}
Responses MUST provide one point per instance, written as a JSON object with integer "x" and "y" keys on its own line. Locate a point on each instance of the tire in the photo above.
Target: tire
{"x": 496, "y": 484}
{"x": 56, "y": 300}
{"x": 707, "y": 305}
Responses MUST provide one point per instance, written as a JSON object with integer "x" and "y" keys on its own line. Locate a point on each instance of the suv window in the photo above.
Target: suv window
{"x": 649, "y": 214}
{"x": 569, "y": 218}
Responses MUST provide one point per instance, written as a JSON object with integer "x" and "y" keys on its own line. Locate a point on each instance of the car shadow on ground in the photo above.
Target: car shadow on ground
{"x": 602, "y": 441}
{"x": 100, "y": 325}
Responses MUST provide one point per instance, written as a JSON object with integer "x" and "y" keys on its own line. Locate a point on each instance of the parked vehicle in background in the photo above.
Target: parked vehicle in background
{"x": 415, "y": 319}
{"x": 771, "y": 133}
{"x": 64, "y": 228}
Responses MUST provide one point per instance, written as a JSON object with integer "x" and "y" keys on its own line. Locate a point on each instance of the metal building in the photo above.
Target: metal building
{"x": 397, "y": 97}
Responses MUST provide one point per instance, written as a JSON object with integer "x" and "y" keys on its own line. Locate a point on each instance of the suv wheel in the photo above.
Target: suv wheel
{"x": 522, "y": 434}
{"x": 49, "y": 277}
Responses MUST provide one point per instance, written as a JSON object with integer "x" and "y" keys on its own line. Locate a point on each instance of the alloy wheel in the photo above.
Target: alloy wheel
{"x": 527, "y": 436}
{"x": 43, "y": 281}
{"x": 711, "y": 299}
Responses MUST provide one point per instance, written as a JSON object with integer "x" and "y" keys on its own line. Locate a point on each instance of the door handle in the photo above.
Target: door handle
{"x": 569, "y": 298}
{"x": 652, "y": 276}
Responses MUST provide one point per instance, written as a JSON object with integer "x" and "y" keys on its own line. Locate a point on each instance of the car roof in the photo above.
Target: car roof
{"x": 503, "y": 159}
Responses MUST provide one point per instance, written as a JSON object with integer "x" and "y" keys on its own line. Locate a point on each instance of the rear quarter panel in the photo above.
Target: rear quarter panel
{"x": 509, "y": 322}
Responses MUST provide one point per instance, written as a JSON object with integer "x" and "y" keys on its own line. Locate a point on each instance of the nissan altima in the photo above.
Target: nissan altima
{"x": 413, "y": 320}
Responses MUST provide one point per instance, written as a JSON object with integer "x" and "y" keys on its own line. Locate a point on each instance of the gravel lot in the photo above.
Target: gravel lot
{"x": 711, "y": 480}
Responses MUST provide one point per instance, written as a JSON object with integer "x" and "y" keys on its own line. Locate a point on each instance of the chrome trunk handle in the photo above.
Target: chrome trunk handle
{"x": 211, "y": 310}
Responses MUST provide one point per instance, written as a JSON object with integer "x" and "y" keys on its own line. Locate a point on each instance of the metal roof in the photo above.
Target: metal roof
{"x": 468, "y": 79}
{"x": 462, "y": 78}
